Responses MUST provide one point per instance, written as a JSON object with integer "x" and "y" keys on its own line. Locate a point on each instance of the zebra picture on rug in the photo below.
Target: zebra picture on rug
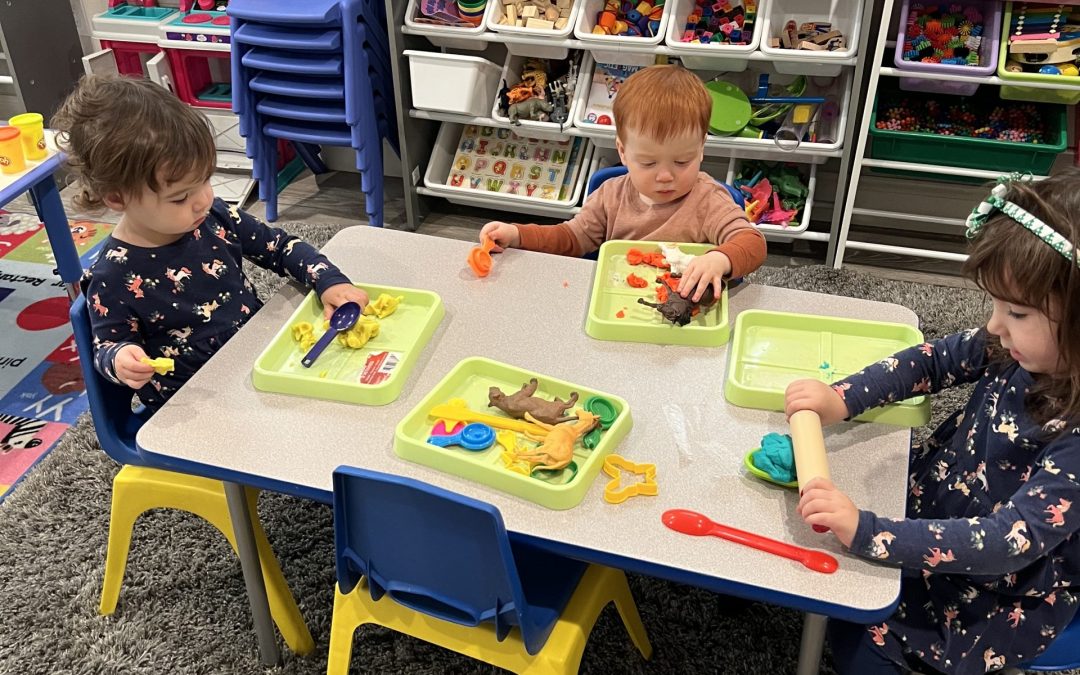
{"x": 23, "y": 433}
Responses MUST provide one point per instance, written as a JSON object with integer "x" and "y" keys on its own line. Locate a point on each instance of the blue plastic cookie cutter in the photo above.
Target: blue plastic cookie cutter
{"x": 475, "y": 436}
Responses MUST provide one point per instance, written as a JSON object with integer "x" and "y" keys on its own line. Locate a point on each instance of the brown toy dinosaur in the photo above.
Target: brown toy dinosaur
{"x": 557, "y": 449}
{"x": 523, "y": 401}
{"x": 677, "y": 309}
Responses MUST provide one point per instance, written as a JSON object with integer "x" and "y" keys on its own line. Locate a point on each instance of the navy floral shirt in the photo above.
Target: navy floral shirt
{"x": 989, "y": 549}
{"x": 185, "y": 300}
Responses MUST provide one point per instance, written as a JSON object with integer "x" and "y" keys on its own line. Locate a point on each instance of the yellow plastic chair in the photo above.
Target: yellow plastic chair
{"x": 138, "y": 488}
{"x": 453, "y": 579}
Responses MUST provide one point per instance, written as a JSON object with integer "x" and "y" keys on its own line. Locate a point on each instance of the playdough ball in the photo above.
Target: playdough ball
{"x": 776, "y": 458}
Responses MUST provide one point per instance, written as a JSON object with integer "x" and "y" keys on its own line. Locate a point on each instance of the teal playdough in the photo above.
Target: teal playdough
{"x": 776, "y": 457}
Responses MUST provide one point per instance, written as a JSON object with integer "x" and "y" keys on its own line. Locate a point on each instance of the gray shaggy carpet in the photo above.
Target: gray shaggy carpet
{"x": 183, "y": 607}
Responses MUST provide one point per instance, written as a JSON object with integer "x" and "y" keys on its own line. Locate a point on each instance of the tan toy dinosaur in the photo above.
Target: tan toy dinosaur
{"x": 523, "y": 401}
{"x": 557, "y": 448}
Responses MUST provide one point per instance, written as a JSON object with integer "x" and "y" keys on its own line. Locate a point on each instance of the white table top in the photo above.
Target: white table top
{"x": 530, "y": 313}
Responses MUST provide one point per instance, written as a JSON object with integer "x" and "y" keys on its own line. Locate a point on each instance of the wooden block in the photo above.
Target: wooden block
{"x": 824, "y": 38}
{"x": 561, "y": 22}
{"x": 564, "y": 12}
{"x": 774, "y": 43}
{"x": 805, "y": 44}
{"x": 511, "y": 16}
{"x": 786, "y": 40}
{"x": 539, "y": 24}
{"x": 564, "y": 4}
{"x": 529, "y": 12}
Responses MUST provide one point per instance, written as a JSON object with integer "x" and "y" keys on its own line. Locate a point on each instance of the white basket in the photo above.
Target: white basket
{"x": 442, "y": 157}
{"x": 603, "y": 135}
{"x": 556, "y": 39}
{"x": 725, "y": 57}
{"x": 451, "y": 37}
{"x": 587, "y": 21}
{"x": 532, "y": 128}
{"x": 452, "y": 83}
{"x": 809, "y": 171}
{"x": 844, "y": 15}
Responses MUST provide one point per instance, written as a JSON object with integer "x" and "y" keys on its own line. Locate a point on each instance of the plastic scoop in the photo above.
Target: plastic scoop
{"x": 480, "y": 257}
{"x": 699, "y": 525}
{"x": 343, "y": 318}
{"x": 475, "y": 436}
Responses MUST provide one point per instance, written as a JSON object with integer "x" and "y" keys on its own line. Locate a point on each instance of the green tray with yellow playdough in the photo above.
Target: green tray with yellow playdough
{"x": 772, "y": 349}
{"x": 614, "y": 311}
{"x": 371, "y": 375}
{"x": 468, "y": 385}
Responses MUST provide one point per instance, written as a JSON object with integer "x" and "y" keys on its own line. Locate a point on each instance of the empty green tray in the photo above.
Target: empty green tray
{"x": 373, "y": 375}
{"x": 771, "y": 349}
{"x": 470, "y": 380}
{"x": 611, "y": 295}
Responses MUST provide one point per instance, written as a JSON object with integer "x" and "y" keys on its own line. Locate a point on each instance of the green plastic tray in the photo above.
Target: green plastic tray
{"x": 336, "y": 375}
{"x": 611, "y": 295}
{"x": 470, "y": 380}
{"x": 771, "y": 349}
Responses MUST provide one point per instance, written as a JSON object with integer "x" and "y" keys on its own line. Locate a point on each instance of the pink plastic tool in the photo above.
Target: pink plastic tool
{"x": 699, "y": 525}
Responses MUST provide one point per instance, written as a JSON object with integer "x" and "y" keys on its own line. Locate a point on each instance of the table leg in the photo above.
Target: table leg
{"x": 50, "y": 209}
{"x": 252, "y": 568}
{"x": 812, "y": 644}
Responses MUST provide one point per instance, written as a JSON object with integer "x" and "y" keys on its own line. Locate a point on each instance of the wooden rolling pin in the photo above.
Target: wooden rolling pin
{"x": 808, "y": 445}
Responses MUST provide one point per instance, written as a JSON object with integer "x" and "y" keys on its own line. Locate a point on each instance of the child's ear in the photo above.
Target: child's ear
{"x": 114, "y": 200}
{"x": 621, "y": 150}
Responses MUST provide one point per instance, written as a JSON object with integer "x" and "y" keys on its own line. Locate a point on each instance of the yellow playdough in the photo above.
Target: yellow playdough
{"x": 358, "y": 336}
{"x": 383, "y": 306}
{"x": 161, "y": 366}
{"x": 304, "y": 333}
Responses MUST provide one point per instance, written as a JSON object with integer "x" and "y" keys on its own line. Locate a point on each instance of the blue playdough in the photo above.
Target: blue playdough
{"x": 776, "y": 457}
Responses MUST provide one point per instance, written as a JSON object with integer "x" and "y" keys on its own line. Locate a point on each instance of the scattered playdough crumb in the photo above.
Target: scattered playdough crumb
{"x": 636, "y": 281}
{"x": 161, "y": 365}
{"x": 621, "y": 314}
{"x": 661, "y": 294}
{"x": 324, "y": 373}
{"x": 383, "y": 306}
{"x": 776, "y": 457}
{"x": 565, "y": 284}
{"x": 304, "y": 333}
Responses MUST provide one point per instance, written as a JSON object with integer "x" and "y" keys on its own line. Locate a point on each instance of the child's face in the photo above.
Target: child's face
{"x": 662, "y": 171}
{"x": 176, "y": 209}
{"x": 1028, "y": 334}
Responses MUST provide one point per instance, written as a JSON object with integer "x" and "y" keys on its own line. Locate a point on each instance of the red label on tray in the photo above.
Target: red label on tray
{"x": 379, "y": 366}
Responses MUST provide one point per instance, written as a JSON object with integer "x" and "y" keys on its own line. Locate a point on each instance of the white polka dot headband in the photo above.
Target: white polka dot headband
{"x": 996, "y": 201}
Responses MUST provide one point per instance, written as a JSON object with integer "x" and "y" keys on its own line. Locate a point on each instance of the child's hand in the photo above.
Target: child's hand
{"x": 703, "y": 271}
{"x": 129, "y": 367}
{"x": 817, "y": 396}
{"x": 338, "y": 294}
{"x": 822, "y": 504}
{"x": 504, "y": 235}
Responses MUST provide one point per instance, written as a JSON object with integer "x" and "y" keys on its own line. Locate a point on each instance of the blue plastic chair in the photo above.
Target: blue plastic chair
{"x": 449, "y": 559}
{"x": 1063, "y": 654}
{"x": 137, "y": 488}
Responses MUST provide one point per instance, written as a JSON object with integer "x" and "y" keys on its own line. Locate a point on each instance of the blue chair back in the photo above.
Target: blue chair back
{"x": 607, "y": 172}
{"x": 1063, "y": 654}
{"x": 110, "y": 405}
{"x": 443, "y": 554}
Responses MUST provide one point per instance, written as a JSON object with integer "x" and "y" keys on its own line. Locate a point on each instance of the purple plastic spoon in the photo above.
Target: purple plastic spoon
{"x": 343, "y": 318}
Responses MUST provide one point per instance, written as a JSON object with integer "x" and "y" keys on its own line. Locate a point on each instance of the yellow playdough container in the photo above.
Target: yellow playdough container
{"x": 33, "y": 134}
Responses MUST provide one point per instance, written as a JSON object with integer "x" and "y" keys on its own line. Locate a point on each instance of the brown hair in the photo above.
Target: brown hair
{"x": 662, "y": 102}
{"x": 1013, "y": 265}
{"x": 121, "y": 133}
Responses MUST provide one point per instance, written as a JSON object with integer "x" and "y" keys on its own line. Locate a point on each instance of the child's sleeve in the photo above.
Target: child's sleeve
{"x": 726, "y": 225}
{"x": 580, "y": 235}
{"x": 113, "y": 324}
{"x": 928, "y": 368}
{"x": 1035, "y": 520}
{"x": 275, "y": 249}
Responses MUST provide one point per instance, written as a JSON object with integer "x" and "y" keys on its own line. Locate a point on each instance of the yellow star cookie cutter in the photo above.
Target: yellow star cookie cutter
{"x": 615, "y": 492}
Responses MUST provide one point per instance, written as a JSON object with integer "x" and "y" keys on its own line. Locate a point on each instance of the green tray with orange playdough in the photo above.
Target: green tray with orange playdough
{"x": 615, "y": 314}
{"x": 466, "y": 387}
{"x": 371, "y": 375}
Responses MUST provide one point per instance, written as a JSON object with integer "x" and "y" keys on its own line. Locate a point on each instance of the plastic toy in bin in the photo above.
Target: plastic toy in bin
{"x": 621, "y": 17}
{"x": 818, "y": 36}
{"x": 949, "y": 36}
{"x": 1044, "y": 39}
{"x": 1017, "y": 123}
{"x": 541, "y": 14}
{"x": 723, "y": 22}
{"x": 543, "y": 92}
{"x": 775, "y": 192}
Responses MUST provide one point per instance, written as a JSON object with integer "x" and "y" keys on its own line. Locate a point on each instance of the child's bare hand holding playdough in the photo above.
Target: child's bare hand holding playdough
{"x": 824, "y": 505}
{"x": 817, "y": 396}
{"x": 338, "y": 294}
{"x": 129, "y": 367}
{"x": 505, "y": 235}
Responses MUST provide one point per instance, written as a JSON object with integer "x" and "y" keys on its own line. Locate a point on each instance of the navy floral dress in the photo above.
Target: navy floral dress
{"x": 988, "y": 550}
{"x": 185, "y": 300}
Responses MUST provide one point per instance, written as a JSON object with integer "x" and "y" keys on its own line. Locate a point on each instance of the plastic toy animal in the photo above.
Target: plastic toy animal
{"x": 523, "y": 401}
{"x": 677, "y": 309}
{"x": 534, "y": 109}
{"x": 504, "y": 99}
{"x": 557, "y": 448}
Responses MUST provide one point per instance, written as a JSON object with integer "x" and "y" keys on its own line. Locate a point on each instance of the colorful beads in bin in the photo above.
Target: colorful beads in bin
{"x": 1017, "y": 123}
{"x": 720, "y": 21}
{"x": 623, "y": 17}
{"x": 948, "y": 34}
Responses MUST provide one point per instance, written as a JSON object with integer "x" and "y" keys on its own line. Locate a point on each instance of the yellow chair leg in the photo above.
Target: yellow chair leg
{"x": 624, "y": 602}
{"x": 343, "y": 626}
{"x": 139, "y": 489}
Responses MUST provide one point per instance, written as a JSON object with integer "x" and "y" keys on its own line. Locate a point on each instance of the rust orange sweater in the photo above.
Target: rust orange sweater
{"x": 706, "y": 215}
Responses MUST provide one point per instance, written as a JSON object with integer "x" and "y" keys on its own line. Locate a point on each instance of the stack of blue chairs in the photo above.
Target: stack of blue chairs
{"x": 314, "y": 72}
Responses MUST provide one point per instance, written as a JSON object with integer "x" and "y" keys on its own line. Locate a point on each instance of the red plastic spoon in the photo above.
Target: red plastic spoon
{"x": 699, "y": 525}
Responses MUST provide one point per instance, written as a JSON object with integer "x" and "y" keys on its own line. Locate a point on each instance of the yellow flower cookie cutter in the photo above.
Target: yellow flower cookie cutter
{"x": 615, "y": 492}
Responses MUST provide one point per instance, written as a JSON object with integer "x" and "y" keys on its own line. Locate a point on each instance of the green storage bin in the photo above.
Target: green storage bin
{"x": 1021, "y": 93}
{"x": 373, "y": 375}
{"x": 639, "y": 323}
{"x": 772, "y": 349}
{"x": 470, "y": 381}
